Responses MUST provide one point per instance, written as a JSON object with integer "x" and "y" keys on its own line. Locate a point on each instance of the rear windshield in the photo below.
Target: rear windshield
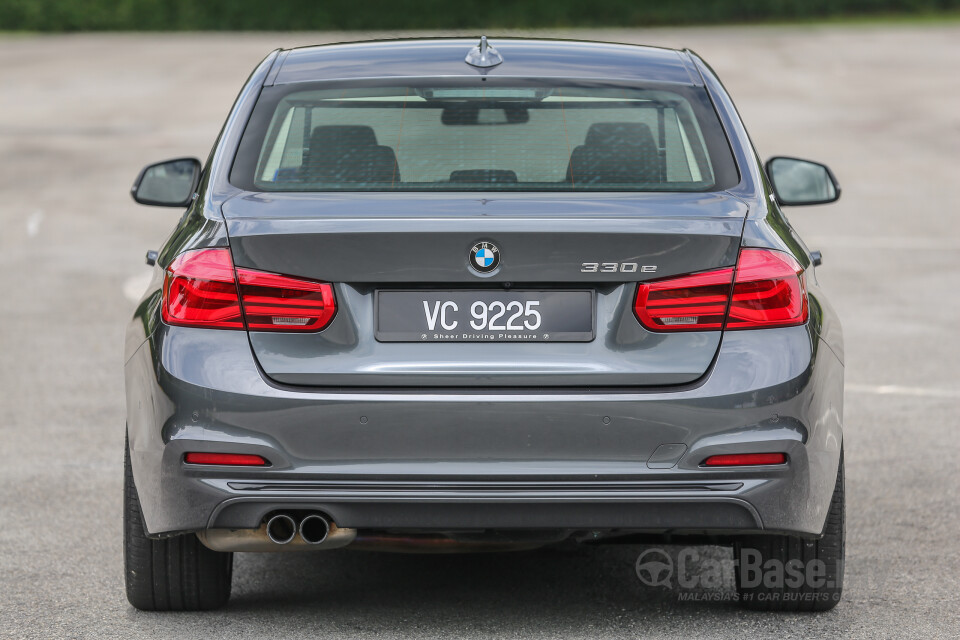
{"x": 475, "y": 135}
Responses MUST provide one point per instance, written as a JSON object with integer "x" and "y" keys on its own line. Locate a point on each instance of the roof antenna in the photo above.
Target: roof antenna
{"x": 483, "y": 55}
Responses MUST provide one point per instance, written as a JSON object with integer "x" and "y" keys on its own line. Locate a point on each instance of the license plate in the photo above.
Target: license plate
{"x": 485, "y": 316}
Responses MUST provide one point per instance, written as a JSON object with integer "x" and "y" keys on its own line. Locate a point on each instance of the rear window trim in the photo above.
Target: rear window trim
{"x": 245, "y": 159}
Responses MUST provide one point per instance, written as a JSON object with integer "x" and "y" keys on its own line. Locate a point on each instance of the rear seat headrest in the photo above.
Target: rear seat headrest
{"x": 348, "y": 153}
{"x": 342, "y": 135}
{"x": 612, "y": 134}
{"x": 616, "y": 153}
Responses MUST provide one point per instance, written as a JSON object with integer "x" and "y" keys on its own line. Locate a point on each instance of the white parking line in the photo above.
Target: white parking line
{"x": 894, "y": 389}
{"x": 33, "y": 223}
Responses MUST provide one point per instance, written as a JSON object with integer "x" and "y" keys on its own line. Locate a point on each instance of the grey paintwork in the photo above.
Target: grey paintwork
{"x": 522, "y": 58}
{"x": 523, "y": 452}
{"x": 425, "y": 239}
{"x": 380, "y": 238}
{"x": 774, "y": 389}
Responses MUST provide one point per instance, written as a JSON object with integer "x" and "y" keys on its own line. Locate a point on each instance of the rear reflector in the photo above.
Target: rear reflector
{"x": 745, "y": 459}
{"x": 231, "y": 459}
{"x": 765, "y": 290}
{"x": 201, "y": 290}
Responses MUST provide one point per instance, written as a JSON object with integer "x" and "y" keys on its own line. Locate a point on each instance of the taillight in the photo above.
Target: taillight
{"x": 688, "y": 303}
{"x": 201, "y": 290}
{"x": 769, "y": 291}
{"x": 745, "y": 459}
{"x": 279, "y": 303}
{"x": 229, "y": 459}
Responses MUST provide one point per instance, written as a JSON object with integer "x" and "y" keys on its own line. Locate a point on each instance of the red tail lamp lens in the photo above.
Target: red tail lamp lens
{"x": 689, "y": 303}
{"x": 200, "y": 290}
{"x": 228, "y": 459}
{"x": 273, "y": 302}
{"x": 769, "y": 291}
{"x": 745, "y": 459}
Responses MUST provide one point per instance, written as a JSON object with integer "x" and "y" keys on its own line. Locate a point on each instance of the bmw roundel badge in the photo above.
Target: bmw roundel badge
{"x": 484, "y": 257}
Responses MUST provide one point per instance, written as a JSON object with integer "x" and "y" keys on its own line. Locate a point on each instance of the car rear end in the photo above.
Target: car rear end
{"x": 488, "y": 308}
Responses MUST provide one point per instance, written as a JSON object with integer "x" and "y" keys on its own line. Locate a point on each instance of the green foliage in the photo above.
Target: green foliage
{"x": 309, "y": 15}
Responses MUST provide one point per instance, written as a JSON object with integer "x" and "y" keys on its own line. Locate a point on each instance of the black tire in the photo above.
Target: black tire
{"x": 172, "y": 574}
{"x": 787, "y": 595}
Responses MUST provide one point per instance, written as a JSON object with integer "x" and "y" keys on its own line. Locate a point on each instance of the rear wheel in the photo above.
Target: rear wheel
{"x": 172, "y": 574}
{"x": 788, "y": 573}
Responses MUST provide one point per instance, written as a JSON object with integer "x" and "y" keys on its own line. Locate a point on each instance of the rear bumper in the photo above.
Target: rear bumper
{"x": 491, "y": 459}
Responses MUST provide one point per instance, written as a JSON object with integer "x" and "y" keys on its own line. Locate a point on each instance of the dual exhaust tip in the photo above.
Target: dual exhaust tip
{"x": 313, "y": 529}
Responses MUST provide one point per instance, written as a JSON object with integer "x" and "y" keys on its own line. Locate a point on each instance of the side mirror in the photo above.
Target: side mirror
{"x": 170, "y": 183}
{"x": 799, "y": 182}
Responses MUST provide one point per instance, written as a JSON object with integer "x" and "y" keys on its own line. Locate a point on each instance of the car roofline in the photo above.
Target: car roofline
{"x": 475, "y": 39}
{"x": 522, "y": 57}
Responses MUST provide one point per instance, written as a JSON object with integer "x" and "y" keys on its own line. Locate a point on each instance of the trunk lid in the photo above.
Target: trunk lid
{"x": 369, "y": 243}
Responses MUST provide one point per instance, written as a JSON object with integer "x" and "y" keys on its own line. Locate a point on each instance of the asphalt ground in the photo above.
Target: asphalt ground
{"x": 80, "y": 115}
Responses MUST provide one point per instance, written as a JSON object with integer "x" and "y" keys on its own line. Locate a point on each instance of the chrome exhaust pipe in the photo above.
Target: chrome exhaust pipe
{"x": 318, "y": 532}
{"x": 281, "y": 529}
{"x": 314, "y": 529}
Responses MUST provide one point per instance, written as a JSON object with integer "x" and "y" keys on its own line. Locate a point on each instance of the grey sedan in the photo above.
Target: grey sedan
{"x": 449, "y": 295}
